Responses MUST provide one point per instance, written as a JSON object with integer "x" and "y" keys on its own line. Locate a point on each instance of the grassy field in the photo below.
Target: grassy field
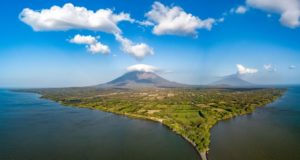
{"x": 190, "y": 112}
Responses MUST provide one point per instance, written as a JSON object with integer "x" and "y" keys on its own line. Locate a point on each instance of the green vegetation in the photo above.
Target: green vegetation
{"x": 190, "y": 112}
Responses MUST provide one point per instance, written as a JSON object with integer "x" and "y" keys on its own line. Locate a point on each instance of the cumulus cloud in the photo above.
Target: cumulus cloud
{"x": 243, "y": 70}
{"x": 175, "y": 21}
{"x": 241, "y": 10}
{"x": 98, "y": 48}
{"x": 238, "y": 10}
{"x": 92, "y": 44}
{"x": 289, "y": 10}
{"x": 138, "y": 50}
{"x": 269, "y": 68}
{"x": 80, "y": 39}
{"x": 292, "y": 67}
{"x": 142, "y": 68}
{"x": 72, "y": 17}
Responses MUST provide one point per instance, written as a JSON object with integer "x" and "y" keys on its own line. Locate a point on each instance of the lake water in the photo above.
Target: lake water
{"x": 33, "y": 129}
{"x": 37, "y": 129}
{"x": 270, "y": 133}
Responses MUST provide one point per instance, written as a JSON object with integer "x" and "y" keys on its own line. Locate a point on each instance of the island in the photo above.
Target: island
{"x": 190, "y": 112}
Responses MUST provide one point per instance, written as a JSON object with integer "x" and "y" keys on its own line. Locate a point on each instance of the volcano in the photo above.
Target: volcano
{"x": 140, "y": 79}
{"x": 232, "y": 81}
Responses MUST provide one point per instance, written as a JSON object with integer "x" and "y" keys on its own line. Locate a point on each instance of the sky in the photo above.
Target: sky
{"x": 59, "y": 43}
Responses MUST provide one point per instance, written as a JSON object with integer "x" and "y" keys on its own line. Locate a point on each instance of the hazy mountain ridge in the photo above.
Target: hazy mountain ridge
{"x": 135, "y": 79}
{"x": 233, "y": 80}
{"x": 142, "y": 79}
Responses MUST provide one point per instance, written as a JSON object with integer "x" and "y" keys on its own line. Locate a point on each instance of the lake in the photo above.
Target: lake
{"x": 37, "y": 129}
{"x": 270, "y": 133}
{"x": 33, "y": 129}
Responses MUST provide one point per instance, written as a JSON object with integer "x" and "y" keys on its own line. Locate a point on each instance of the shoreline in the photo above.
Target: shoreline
{"x": 203, "y": 155}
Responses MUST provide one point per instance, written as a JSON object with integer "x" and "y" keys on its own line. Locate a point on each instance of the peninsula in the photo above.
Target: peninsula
{"x": 189, "y": 111}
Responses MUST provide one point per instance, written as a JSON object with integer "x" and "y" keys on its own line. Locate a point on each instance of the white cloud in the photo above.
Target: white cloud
{"x": 289, "y": 10}
{"x": 80, "y": 39}
{"x": 98, "y": 48}
{"x": 269, "y": 68}
{"x": 139, "y": 50}
{"x": 175, "y": 21}
{"x": 142, "y": 68}
{"x": 241, "y": 10}
{"x": 238, "y": 10}
{"x": 91, "y": 42}
{"x": 72, "y": 17}
{"x": 145, "y": 23}
{"x": 243, "y": 70}
{"x": 292, "y": 67}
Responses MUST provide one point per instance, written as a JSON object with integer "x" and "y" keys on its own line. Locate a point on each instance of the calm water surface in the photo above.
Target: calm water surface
{"x": 32, "y": 129}
{"x": 270, "y": 133}
{"x": 37, "y": 129}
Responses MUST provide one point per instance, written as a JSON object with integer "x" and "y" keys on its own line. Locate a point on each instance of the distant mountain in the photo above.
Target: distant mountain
{"x": 232, "y": 81}
{"x": 137, "y": 79}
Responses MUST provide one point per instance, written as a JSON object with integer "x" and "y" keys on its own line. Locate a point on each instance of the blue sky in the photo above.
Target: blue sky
{"x": 201, "y": 42}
